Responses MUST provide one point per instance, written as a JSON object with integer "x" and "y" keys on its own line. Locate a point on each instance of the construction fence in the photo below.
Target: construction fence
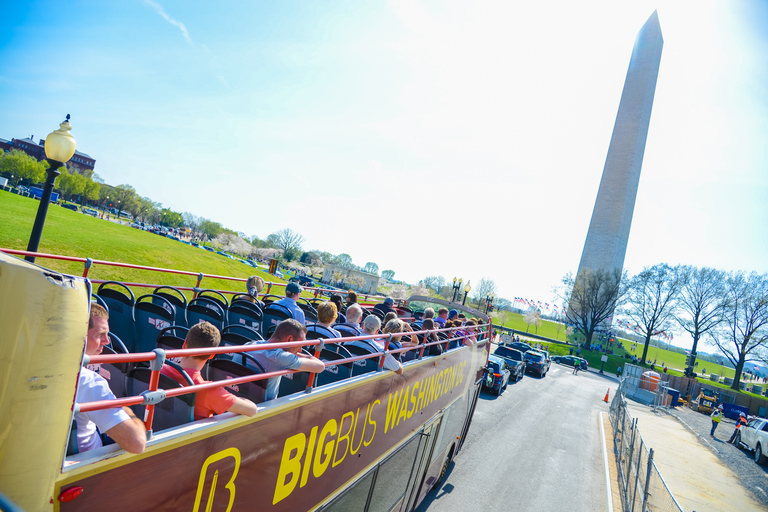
{"x": 642, "y": 486}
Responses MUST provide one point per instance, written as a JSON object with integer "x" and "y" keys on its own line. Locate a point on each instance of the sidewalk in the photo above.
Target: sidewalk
{"x": 697, "y": 478}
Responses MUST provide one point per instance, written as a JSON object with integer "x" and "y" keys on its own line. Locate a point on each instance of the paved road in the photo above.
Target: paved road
{"x": 537, "y": 447}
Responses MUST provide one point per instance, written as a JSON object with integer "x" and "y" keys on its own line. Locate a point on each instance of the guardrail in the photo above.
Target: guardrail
{"x": 642, "y": 486}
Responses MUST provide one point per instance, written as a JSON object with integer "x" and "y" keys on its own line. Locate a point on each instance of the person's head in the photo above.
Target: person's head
{"x": 336, "y": 299}
{"x": 443, "y": 313}
{"x": 462, "y": 317}
{"x": 351, "y": 297}
{"x": 389, "y": 316}
{"x": 202, "y": 335}
{"x": 354, "y": 314}
{"x": 428, "y": 324}
{"x": 327, "y": 313}
{"x": 289, "y": 330}
{"x": 452, "y": 314}
{"x": 389, "y": 301}
{"x": 98, "y": 330}
{"x": 292, "y": 291}
{"x": 471, "y": 324}
{"x": 371, "y": 324}
{"x": 254, "y": 286}
{"x": 393, "y": 326}
{"x": 429, "y": 313}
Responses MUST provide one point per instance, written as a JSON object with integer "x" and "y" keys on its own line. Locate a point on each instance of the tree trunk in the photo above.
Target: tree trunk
{"x": 645, "y": 348}
{"x": 737, "y": 375}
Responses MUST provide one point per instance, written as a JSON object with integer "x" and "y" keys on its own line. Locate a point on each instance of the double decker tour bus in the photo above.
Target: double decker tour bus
{"x": 358, "y": 438}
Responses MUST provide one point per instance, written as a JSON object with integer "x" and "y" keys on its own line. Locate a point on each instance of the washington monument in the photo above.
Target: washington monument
{"x": 606, "y": 243}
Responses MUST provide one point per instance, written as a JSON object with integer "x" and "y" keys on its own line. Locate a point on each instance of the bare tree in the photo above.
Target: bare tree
{"x": 399, "y": 291}
{"x": 746, "y": 316}
{"x": 702, "y": 303}
{"x": 287, "y": 239}
{"x": 371, "y": 268}
{"x": 482, "y": 290}
{"x": 592, "y": 298}
{"x": 651, "y": 301}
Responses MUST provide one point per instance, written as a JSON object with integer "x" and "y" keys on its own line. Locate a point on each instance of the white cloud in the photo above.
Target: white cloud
{"x": 175, "y": 23}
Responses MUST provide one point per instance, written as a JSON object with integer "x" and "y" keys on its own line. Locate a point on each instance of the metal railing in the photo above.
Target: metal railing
{"x": 642, "y": 486}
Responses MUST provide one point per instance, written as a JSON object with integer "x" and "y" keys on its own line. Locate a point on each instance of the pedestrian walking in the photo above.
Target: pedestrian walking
{"x": 716, "y": 415}
{"x": 741, "y": 421}
{"x": 618, "y": 371}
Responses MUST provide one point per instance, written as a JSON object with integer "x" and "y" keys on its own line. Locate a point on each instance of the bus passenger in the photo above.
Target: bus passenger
{"x": 118, "y": 423}
{"x": 336, "y": 299}
{"x": 471, "y": 326}
{"x": 442, "y": 317}
{"x": 354, "y": 315}
{"x": 292, "y": 292}
{"x": 326, "y": 316}
{"x": 386, "y": 306}
{"x": 371, "y": 326}
{"x": 254, "y": 286}
{"x": 433, "y": 350}
{"x": 397, "y": 326}
{"x": 292, "y": 358}
{"x": 351, "y": 298}
{"x": 429, "y": 313}
{"x": 210, "y": 401}
{"x": 388, "y": 317}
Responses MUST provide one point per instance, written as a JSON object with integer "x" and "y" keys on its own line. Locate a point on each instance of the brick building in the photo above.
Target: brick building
{"x": 80, "y": 161}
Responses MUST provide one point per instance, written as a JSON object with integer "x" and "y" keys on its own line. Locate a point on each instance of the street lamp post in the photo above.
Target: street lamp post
{"x": 59, "y": 148}
{"x": 466, "y": 291}
{"x": 488, "y": 302}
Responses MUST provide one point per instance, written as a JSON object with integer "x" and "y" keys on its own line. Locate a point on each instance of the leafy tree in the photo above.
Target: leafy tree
{"x": 399, "y": 291}
{"x": 388, "y": 274}
{"x": 124, "y": 198}
{"x": 70, "y": 183}
{"x": 501, "y": 303}
{"x": 105, "y": 193}
{"x": 344, "y": 260}
{"x": 148, "y": 210}
{"x": 210, "y": 228}
{"x": 170, "y": 218}
{"x": 371, "y": 268}
{"x": 651, "y": 301}
{"x": 592, "y": 298}
{"x": 92, "y": 190}
{"x": 191, "y": 221}
{"x": 746, "y": 316}
{"x": 702, "y": 302}
{"x": 18, "y": 166}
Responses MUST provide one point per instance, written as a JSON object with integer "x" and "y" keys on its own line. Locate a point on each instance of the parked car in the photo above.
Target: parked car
{"x": 496, "y": 375}
{"x": 536, "y": 362}
{"x": 754, "y": 436}
{"x": 514, "y": 360}
{"x": 91, "y": 212}
{"x": 303, "y": 281}
{"x": 571, "y": 361}
{"x": 519, "y": 345}
{"x": 69, "y": 206}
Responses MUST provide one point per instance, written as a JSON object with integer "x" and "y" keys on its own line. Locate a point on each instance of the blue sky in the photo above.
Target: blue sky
{"x": 434, "y": 138}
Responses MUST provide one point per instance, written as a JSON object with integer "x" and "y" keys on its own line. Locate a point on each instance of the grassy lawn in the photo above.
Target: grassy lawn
{"x": 74, "y": 234}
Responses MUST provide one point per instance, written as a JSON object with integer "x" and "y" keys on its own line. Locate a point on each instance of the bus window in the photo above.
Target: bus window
{"x": 392, "y": 478}
{"x": 355, "y": 498}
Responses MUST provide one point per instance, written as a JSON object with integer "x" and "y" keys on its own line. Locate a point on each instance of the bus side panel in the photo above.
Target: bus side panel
{"x": 290, "y": 458}
{"x": 44, "y": 322}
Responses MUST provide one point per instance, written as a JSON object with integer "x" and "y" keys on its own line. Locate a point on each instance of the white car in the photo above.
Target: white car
{"x": 754, "y": 436}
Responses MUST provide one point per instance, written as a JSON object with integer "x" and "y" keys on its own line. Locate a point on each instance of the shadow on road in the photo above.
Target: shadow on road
{"x": 436, "y": 494}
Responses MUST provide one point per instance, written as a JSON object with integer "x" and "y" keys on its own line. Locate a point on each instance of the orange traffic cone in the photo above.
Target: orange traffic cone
{"x": 606, "y": 395}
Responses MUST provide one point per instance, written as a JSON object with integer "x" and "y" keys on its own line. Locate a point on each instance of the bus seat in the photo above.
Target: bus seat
{"x": 245, "y": 313}
{"x": 120, "y": 304}
{"x": 171, "y": 412}
{"x": 293, "y": 383}
{"x": 333, "y": 373}
{"x": 317, "y": 331}
{"x": 203, "y": 309}
{"x": 113, "y": 373}
{"x": 151, "y": 318}
{"x": 178, "y": 299}
{"x": 347, "y": 330}
{"x": 310, "y": 313}
{"x": 223, "y": 369}
{"x": 215, "y": 296}
{"x": 364, "y": 365}
{"x": 273, "y": 315}
{"x": 116, "y": 344}
{"x": 172, "y": 338}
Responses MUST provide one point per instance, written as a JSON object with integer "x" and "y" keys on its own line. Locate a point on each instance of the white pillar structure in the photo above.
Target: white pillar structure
{"x": 606, "y": 243}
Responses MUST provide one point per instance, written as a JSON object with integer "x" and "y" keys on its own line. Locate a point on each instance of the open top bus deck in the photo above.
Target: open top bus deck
{"x": 369, "y": 440}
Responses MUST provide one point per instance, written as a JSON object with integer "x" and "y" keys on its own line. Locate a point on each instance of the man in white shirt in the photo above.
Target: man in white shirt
{"x": 119, "y": 423}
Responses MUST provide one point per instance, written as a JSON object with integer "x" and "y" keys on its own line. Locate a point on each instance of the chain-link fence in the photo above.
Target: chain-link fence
{"x": 642, "y": 486}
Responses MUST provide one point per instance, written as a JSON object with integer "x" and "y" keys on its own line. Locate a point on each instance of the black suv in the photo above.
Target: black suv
{"x": 303, "y": 281}
{"x": 536, "y": 362}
